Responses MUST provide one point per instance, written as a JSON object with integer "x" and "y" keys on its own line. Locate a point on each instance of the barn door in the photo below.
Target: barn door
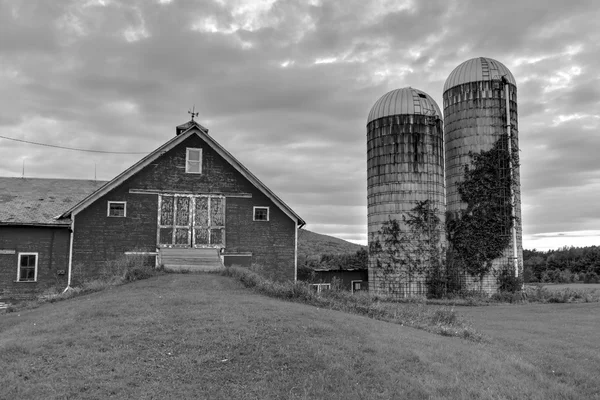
{"x": 175, "y": 221}
{"x": 191, "y": 221}
{"x": 209, "y": 221}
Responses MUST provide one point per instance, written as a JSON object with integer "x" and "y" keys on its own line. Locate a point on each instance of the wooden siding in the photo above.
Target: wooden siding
{"x": 52, "y": 246}
{"x": 99, "y": 238}
{"x": 474, "y": 119}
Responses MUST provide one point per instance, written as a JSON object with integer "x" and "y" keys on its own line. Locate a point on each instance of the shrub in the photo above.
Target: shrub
{"x": 508, "y": 282}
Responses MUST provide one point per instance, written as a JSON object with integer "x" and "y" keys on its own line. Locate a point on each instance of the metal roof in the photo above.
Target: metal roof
{"x": 37, "y": 201}
{"x": 405, "y": 101}
{"x": 478, "y": 69}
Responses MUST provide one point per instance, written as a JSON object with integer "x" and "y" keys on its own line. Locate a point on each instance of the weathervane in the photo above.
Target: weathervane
{"x": 193, "y": 112}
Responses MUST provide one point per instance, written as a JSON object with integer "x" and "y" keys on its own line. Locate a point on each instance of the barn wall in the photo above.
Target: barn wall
{"x": 52, "y": 246}
{"x": 99, "y": 238}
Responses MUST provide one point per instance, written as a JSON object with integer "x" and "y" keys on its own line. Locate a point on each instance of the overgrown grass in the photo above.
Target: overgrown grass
{"x": 123, "y": 270}
{"x": 441, "y": 320}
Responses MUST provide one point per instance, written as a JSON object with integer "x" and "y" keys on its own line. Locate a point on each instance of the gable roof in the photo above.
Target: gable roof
{"x": 183, "y": 132}
{"x": 38, "y": 201}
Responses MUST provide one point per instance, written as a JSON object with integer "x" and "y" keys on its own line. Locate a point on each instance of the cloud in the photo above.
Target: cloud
{"x": 287, "y": 85}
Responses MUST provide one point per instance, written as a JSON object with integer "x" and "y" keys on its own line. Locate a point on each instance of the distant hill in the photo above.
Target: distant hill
{"x": 314, "y": 244}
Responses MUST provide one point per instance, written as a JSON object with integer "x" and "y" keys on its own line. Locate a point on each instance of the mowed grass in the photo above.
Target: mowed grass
{"x": 205, "y": 336}
{"x": 560, "y": 340}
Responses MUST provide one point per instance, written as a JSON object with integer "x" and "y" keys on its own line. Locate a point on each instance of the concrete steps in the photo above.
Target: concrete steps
{"x": 193, "y": 260}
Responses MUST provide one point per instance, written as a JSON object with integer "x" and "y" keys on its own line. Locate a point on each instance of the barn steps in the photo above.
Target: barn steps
{"x": 193, "y": 260}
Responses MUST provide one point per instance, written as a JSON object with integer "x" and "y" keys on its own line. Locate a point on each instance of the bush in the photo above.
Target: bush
{"x": 508, "y": 282}
{"x": 591, "y": 277}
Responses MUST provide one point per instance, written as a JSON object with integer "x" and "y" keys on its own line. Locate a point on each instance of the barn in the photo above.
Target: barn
{"x": 186, "y": 202}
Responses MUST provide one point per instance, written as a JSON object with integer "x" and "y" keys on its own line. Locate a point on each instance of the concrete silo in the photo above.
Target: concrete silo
{"x": 405, "y": 166}
{"x": 478, "y": 96}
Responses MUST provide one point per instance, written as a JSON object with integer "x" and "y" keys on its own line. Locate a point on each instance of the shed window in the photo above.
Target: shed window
{"x": 357, "y": 286}
{"x": 27, "y": 268}
{"x": 193, "y": 161}
{"x": 261, "y": 213}
{"x": 319, "y": 287}
{"x": 117, "y": 209}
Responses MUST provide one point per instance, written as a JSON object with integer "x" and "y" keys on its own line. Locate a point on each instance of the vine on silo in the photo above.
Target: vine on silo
{"x": 408, "y": 250}
{"x": 480, "y": 233}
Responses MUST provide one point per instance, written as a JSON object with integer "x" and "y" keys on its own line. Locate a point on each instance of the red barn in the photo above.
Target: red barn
{"x": 188, "y": 200}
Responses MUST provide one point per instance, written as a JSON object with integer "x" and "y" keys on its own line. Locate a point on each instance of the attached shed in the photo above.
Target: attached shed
{"x": 34, "y": 244}
{"x": 187, "y": 200}
{"x": 353, "y": 280}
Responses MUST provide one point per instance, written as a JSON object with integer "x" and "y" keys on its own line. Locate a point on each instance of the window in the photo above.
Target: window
{"x": 193, "y": 161}
{"x": 357, "y": 286}
{"x": 261, "y": 213}
{"x": 319, "y": 287}
{"x": 117, "y": 209}
{"x": 27, "y": 268}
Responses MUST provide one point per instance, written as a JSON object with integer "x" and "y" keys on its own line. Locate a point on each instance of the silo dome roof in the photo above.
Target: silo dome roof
{"x": 478, "y": 69}
{"x": 404, "y": 101}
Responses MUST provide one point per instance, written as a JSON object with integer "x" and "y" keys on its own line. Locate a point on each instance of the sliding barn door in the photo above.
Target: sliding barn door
{"x": 191, "y": 221}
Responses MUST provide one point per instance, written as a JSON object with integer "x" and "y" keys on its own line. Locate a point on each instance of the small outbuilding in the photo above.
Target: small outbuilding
{"x": 187, "y": 200}
{"x": 353, "y": 280}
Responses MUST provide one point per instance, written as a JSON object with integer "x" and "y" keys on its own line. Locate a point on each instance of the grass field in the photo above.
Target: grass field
{"x": 573, "y": 286}
{"x": 205, "y": 336}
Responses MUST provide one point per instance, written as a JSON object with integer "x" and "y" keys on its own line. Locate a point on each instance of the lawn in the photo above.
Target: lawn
{"x": 205, "y": 336}
{"x": 573, "y": 286}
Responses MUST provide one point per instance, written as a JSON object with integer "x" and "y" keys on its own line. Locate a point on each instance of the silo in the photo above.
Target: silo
{"x": 478, "y": 96}
{"x": 405, "y": 167}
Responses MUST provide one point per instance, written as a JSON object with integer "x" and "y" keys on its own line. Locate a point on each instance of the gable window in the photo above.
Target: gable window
{"x": 193, "y": 161}
{"x": 261, "y": 213}
{"x": 27, "y": 267}
{"x": 117, "y": 209}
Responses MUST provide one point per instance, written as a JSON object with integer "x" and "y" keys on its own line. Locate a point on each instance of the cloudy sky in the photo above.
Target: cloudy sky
{"x": 286, "y": 87}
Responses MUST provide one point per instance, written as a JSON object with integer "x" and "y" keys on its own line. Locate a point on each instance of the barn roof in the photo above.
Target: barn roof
{"x": 38, "y": 201}
{"x": 183, "y": 132}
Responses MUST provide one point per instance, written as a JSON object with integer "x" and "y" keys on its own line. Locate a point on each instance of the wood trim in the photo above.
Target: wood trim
{"x": 35, "y": 271}
{"x": 186, "y": 193}
{"x": 108, "y": 204}
{"x": 296, "y": 254}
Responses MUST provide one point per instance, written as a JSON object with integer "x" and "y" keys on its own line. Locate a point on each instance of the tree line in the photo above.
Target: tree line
{"x": 565, "y": 265}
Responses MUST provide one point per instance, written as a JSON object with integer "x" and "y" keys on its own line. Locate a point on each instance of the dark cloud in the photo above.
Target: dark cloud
{"x": 120, "y": 76}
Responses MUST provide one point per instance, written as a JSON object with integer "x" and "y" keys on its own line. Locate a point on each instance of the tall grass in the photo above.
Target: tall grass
{"x": 442, "y": 320}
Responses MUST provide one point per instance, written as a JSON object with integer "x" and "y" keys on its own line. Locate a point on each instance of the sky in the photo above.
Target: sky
{"x": 286, "y": 86}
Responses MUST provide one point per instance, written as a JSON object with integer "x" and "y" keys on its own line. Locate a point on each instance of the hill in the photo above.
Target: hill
{"x": 315, "y": 244}
{"x": 205, "y": 336}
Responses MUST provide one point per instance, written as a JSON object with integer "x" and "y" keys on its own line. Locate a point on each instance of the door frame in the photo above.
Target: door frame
{"x": 192, "y": 221}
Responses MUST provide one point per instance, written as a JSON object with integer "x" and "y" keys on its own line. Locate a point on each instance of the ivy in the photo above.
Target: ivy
{"x": 407, "y": 250}
{"x": 480, "y": 233}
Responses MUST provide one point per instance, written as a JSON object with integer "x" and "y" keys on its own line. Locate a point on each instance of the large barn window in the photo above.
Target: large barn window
{"x": 117, "y": 209}
{"x": 27, "y": 267}
{"x": 261, "y": 213}
{"x": 193, "y": 161}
